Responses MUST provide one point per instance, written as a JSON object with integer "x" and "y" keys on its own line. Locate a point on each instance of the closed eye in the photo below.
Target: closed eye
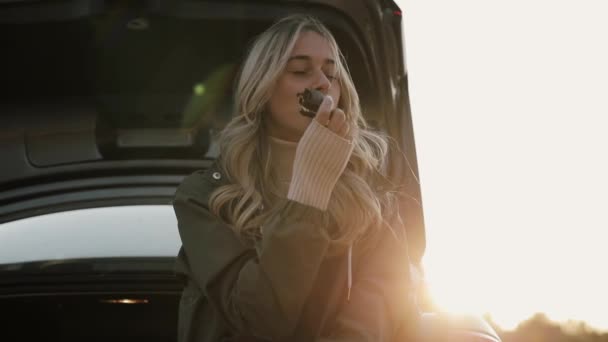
{"x": 306, "y": 73}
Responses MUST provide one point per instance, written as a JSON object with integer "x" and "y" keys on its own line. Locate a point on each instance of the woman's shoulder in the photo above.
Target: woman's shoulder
{"x": 201, "y": 183}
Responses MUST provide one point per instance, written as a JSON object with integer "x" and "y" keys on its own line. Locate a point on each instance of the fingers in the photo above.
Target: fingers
{"x": 324, "y": 112}
{"x": 338, "y": 123}
{"x": 334, "y": 120}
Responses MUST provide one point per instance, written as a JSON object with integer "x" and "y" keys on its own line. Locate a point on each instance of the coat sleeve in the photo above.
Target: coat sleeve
{"x": 260, "y": 295}
{"x": 381, "y": 302}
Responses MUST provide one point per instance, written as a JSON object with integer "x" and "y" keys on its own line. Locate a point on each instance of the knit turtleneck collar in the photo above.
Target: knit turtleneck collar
{"x": 282, "y": 153}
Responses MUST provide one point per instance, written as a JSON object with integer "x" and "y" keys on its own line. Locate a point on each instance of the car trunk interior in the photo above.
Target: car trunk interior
{"x": 155, "y": 77}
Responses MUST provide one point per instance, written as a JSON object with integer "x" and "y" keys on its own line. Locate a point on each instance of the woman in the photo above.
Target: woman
{"x": 294, "y": 234}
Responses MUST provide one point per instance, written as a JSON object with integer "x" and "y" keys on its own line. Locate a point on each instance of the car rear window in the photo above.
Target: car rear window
{"x": 121, "y": 231}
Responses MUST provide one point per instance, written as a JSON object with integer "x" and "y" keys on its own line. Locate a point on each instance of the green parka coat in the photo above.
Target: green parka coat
{"x": 286, "y": 288}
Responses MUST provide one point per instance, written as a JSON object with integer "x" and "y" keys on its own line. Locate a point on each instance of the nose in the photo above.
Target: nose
{"x": 322, "y": 83}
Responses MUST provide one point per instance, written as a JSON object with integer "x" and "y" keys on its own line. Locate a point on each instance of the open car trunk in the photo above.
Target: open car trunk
{"x": 105, "y": 94}
{"x": 107, "y": 104}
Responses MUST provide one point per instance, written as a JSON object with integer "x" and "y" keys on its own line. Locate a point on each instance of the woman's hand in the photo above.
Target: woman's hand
{"x": 334, "y": 120}
{"x": 321, "y": 156}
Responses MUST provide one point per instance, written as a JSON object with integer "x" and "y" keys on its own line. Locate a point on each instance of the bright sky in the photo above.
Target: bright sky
{"x": 510, "y": 106}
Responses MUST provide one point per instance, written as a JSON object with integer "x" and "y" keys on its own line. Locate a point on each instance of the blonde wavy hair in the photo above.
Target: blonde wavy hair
{"x": 358, "y": 206}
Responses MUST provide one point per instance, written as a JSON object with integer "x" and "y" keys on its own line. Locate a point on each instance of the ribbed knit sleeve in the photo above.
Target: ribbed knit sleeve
{"x": 321, "y": 157}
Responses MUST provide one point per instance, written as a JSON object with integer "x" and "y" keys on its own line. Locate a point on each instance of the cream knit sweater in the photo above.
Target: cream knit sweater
{"x": 307, "y": 171}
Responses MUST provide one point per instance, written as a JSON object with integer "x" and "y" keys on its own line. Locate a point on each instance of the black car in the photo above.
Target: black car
{"x": 105, "y": 107}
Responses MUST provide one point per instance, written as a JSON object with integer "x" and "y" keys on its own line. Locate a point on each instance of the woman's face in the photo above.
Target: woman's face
{"x": 311, "y": 65}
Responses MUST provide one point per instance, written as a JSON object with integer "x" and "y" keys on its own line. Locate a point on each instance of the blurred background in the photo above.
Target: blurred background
{"x": 509, "y": 102}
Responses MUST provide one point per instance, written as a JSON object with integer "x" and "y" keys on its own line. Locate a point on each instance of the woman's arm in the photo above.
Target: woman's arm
{"x": 260, "y": 295}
